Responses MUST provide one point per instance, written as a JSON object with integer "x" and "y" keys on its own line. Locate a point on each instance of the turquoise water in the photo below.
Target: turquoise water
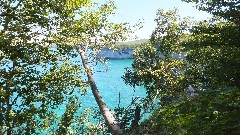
{"x": 110, "y": 84}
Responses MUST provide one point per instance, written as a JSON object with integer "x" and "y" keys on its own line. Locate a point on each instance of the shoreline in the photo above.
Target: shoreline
{"x": 121, "y": 54}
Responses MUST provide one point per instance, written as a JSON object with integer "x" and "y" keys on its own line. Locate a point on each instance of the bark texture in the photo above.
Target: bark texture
{"x": 112, "y": 123}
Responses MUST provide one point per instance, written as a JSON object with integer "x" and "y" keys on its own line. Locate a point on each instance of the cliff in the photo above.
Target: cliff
{"x": 124, "y": 53}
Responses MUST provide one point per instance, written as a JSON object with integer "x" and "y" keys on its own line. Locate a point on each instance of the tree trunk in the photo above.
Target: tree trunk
{"x": 111, "y": 122}
{"x": 136, "y": 118}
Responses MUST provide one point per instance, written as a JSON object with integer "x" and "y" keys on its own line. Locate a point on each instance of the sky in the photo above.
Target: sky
{"x": 134, "y": 10}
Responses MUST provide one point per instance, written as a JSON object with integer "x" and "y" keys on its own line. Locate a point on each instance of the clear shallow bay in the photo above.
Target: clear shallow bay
{"x": 110, "y": 84}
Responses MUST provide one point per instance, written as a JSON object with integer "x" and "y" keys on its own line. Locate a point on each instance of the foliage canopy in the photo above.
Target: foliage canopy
{"x": 39, "y": 61}
{"x": 193, "y": 70}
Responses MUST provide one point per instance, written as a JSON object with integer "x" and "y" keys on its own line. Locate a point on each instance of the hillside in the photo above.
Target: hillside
{"x": 124, "y": 50}
{"x": 131, "y": 44}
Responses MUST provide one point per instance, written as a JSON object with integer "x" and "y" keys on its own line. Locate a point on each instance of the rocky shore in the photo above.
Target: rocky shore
{"x": 125, "y": 53}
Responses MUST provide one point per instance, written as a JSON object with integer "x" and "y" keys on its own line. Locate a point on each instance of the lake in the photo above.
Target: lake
{"x": 111, "y": 87}
{"x": 110, "y": 84}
